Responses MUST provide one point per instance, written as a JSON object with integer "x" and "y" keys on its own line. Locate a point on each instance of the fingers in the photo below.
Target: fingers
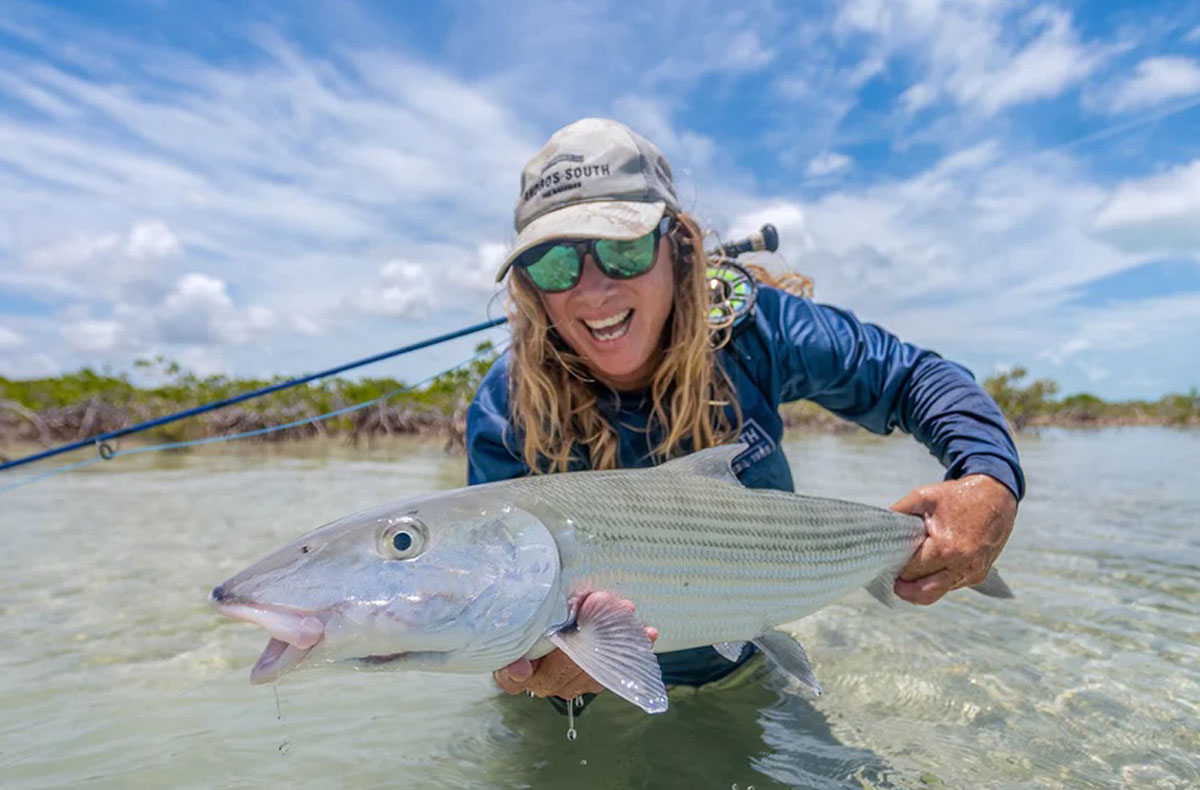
{"x": 558, "y": 676}
{"x": 514, "y": 677}
{"x": 555, "y": 674}
{"x": 915, "y": 502}
{"x": 928, "y": 589}
{"x": 928, "y": 558}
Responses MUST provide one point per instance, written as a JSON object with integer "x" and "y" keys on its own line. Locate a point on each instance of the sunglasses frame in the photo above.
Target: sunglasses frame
{"x": 585, "y": 247}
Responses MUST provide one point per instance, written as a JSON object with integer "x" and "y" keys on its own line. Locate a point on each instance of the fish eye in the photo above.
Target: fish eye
{"x": 402, "y": 538}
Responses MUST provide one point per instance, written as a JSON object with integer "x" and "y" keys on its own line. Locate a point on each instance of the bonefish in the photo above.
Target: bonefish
{"x": 473, "y": 579}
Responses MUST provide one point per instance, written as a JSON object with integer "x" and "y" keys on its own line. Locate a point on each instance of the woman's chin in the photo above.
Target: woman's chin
{"x": 627, "y": 372}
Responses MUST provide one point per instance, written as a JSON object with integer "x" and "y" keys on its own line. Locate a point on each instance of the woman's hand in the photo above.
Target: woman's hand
{"x": 967, "y": 522}
{"x": 554, "y": 674}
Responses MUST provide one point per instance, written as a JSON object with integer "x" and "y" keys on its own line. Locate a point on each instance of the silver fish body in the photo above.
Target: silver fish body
{"x": 472, "y": 579}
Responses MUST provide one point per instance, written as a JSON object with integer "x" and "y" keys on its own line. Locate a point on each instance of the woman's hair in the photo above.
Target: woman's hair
{"x": 554, "y": 398}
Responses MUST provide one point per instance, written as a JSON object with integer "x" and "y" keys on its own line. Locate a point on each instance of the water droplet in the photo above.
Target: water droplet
{"x": 571, "y": 734}
{"x": 583, "y": 761}
{"x": 733, "y": 786}
{"x": 285, "y": 747}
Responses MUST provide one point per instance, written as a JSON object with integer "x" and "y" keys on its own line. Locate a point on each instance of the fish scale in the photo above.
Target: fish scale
{"x": 695, "y": 553}
{"x": 471, "y": 580}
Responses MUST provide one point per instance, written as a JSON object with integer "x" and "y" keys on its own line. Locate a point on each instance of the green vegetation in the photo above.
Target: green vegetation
{"x": 1031, "y": 404}
{"x": 85, "y": 403}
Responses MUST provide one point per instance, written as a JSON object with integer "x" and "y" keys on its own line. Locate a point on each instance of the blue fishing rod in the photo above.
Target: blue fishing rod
{"x": 100, "y": 441}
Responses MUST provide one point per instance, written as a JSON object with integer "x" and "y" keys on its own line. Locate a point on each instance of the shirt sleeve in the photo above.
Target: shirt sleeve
{"x": 866, "y": 374}
{"x": 492, "y": 452}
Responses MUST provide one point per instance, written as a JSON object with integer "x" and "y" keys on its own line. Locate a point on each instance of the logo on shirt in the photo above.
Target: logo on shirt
{"x": 760, "y": 446}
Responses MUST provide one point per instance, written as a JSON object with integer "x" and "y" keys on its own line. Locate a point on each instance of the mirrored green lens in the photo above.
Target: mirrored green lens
{"x": 626, "y": 258}
{"x": 556, "y": 269}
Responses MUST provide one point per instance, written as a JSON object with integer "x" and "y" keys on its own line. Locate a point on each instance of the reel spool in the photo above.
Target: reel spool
{"x": 732, "y": 287}
{"x": 733, "y": 291}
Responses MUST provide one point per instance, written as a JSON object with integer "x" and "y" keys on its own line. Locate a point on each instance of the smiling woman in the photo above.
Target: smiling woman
{"x": 613, "y": 365}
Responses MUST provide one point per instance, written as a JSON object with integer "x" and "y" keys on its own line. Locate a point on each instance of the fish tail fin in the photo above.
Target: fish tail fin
{"x": 881, "y": 588}
{"x": 994, "y": 586}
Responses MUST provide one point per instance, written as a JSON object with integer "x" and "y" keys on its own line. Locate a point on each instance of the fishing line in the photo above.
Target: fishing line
{"x": 286, "y": 745}
{"x": 106, "y": 452}
{"x": 101, "y": 441}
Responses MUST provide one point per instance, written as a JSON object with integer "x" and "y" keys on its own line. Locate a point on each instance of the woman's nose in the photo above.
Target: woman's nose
{"x": 593, "y": 283}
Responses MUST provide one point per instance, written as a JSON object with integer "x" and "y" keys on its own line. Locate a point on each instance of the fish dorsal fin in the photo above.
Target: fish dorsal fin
{"x": 715, "y": 463}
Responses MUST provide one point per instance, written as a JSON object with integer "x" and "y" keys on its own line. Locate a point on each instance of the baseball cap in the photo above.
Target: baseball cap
{"x": 595, "y": 178}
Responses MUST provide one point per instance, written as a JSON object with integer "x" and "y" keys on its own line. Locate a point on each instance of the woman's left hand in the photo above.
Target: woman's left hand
{"x": 967, "y": 522}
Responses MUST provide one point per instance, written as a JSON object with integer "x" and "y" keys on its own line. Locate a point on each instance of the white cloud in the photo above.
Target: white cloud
{"x": 918, "y": 97}
{"x": 404, "y": 291}
{"x": 1160, "y": 213}
{"x": 827, "y": 163}
{"x": 93, "y": 335}
{"x": 743, "y": 51}
{"x": 974, "y": 256}
{"x": 480, "y": 272}
{"x": 306, "y": 324}
{"x": 651, "y": 118}
{"x": 200, "y": 311}
{"x": 974, "y": 52}
{"x": 1154, "y": 81}
{"x": 73, "y": 253}
{"x": 10, "y": 339}
{"x": 1066, "y": 350}
{"x": 151, "y": 239}
{"x": 1193, "y": 35}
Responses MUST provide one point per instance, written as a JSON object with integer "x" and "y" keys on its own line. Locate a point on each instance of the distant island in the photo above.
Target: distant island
{"x": 85, "y": 403}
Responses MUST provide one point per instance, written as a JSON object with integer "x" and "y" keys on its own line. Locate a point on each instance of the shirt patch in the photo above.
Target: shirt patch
{"x": 760, "y": 446}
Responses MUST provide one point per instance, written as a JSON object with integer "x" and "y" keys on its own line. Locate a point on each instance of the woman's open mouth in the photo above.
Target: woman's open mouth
{"x": 611, "y": 327}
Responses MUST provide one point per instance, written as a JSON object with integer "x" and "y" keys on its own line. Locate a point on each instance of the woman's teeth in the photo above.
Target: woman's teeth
{"x": 610, "y": 328}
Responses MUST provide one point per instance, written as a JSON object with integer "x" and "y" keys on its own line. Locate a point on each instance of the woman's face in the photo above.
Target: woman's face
{"x": 616, "y": 325}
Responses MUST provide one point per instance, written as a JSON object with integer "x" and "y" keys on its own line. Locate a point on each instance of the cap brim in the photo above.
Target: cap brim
{"x": 597, "y": 219}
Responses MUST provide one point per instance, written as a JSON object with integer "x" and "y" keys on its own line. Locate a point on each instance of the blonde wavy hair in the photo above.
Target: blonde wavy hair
{"x": 554, "y": 398}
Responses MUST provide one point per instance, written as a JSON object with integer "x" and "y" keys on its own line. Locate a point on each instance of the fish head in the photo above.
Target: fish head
{"x": 452, "y": 582}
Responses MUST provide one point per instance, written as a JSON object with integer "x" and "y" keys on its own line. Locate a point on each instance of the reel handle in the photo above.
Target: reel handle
{"x": 765, "y": 238}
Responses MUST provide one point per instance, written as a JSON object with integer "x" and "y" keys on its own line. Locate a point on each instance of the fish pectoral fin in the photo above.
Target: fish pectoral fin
{"x": 789, "y": 656}
{"x": 730, "y": 651}
{"x": 611, "y": 645}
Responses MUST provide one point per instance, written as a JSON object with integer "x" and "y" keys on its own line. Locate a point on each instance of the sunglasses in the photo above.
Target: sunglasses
{"x": 555, "y": 266}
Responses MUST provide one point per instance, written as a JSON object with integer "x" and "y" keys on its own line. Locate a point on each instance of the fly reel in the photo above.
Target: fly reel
{"x": 733, "y": 292}
{"x": 732, "y": 288}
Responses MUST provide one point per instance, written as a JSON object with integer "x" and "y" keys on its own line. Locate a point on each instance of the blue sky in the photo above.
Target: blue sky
{"x": 264, "y": 188}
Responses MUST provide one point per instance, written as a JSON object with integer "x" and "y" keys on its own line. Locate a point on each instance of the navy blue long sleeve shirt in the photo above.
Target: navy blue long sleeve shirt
{"x": 794, "y": 349}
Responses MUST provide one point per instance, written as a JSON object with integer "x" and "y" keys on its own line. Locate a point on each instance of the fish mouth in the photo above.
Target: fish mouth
{"x": 294, "y": 633}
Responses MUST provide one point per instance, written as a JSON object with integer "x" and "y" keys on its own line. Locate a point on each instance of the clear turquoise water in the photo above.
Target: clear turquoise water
{"x": 114, "y": 673}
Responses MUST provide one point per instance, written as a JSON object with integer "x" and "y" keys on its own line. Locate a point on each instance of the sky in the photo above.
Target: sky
{"x": 260, "y": 188}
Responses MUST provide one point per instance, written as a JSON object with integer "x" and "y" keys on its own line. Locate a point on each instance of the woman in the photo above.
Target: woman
{"x": 613, "y": 364}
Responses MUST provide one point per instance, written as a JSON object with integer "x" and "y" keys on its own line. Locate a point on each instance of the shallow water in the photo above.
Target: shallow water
{"x": 114, "y": 673}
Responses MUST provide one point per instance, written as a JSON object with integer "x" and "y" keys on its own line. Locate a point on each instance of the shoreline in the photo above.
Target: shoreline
{"x": 376, "y": 429}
